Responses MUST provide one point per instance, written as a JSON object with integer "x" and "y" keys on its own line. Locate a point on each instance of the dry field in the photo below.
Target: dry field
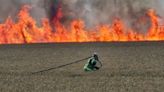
{"x": 127, "y": 67}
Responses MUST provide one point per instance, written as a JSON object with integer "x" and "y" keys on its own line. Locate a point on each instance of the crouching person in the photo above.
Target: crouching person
{"x": 91, "y": 64}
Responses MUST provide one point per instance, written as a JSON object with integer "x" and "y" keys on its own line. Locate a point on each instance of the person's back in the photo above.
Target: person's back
{"x": 91, "y": 64}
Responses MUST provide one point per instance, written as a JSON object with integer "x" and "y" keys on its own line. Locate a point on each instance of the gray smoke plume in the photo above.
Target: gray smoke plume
{"x": 93, "y": 12}
{"x": 104, "y": 11}
{"x": 12, "y": 7}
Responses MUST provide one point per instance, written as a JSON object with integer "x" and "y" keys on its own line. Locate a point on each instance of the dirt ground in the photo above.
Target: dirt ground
{"x": 127, "y": 67}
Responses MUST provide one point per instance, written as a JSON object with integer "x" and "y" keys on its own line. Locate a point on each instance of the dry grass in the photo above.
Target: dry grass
{"x": 127, "y": 67}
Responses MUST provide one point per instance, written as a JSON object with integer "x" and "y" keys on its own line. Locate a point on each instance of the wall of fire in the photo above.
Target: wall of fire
{"x": 92, "y": 11}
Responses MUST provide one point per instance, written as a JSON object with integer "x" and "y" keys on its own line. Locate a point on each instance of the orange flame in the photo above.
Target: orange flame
{"x": 25, "y": 30}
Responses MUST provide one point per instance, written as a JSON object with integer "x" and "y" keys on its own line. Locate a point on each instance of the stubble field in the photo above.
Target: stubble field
{"x": 127, "y": 67}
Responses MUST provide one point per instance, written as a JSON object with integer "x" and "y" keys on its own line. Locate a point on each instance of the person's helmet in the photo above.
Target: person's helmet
{"x": 95, "y": 56}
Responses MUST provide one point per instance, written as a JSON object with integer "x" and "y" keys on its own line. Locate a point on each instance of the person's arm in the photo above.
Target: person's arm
{"x": 90, "y": 61}
{"x": 100, "y": 63}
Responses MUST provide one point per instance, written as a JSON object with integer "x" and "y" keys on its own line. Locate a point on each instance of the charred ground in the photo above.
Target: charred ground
{"x": 127, "y": 67}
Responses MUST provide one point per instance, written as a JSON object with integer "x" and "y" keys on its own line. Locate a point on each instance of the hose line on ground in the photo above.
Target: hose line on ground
{"x": 61, "y": 65}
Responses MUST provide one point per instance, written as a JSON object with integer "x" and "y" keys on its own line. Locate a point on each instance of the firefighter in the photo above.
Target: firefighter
{"x": 91, "y": 64}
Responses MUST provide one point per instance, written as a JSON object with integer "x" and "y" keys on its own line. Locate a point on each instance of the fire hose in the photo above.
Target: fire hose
{"x": 60, "y": 66}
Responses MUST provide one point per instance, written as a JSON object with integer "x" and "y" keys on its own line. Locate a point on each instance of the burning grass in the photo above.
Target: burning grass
{"x": 25, "y": 30}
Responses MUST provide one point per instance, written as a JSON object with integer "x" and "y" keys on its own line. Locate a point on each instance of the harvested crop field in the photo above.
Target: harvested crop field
{"x": 127, "y": 67}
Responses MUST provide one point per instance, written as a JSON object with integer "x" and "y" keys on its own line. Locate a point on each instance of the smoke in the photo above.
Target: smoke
{"x": 7, "y": 7}
{"x": 95, "y": 12}
{"x": 12, "y": 7}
